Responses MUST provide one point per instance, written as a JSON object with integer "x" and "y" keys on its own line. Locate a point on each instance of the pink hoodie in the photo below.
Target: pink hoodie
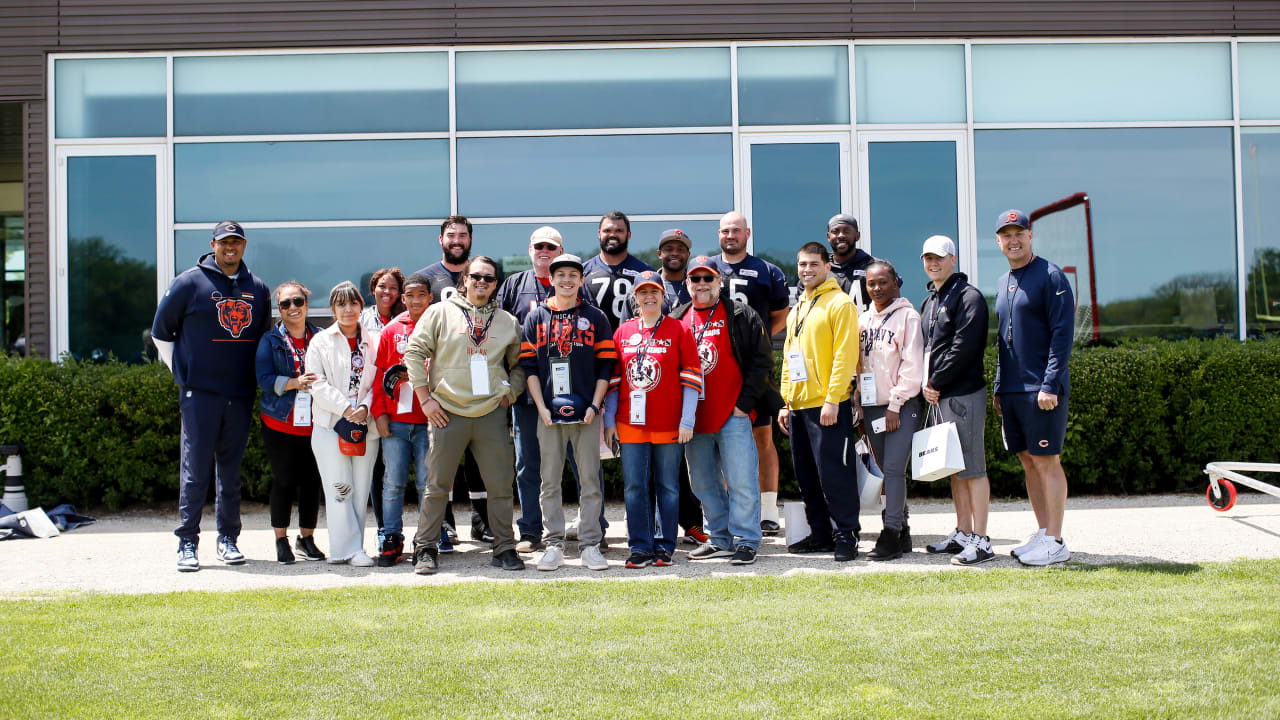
{"x": 891, "y": 345}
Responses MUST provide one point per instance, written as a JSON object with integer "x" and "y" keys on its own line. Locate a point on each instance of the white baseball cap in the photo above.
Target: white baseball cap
{"x": 939, "y": 245}
{"x": 548, "y": 234}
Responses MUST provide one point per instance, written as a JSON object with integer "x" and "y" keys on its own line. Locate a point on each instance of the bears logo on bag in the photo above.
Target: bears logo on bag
{"x": 234, "y": 314}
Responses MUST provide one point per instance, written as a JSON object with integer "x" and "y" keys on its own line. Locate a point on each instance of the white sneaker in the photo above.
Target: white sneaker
{"x": 552, "y": 558}
{"x": 976, "y": 550}
{"x": 360, "y": 559}
{"x": 1030, "y": 543}
{"x": 951, "y": 544}
{"x": 1047, "y": 551}
{"x": 593, "y": 558}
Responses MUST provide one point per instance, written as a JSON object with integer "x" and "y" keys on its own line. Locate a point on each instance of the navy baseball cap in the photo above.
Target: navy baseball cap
{"x": 675, "y": 234}
{"x": 391, "y": 378}
{"x": 702, "y": 262}
{"x": 226, "y": 229}
{"x": 648, "y": 277}
{"x": 568, "y": 409}
{"x": 350, "y": 437}
{"x": 1013, "y": 217}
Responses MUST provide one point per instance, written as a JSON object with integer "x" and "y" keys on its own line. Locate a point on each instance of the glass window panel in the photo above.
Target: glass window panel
{"x": 1260, "y": 175}
{"x": 793, "y": 186}
{"x": 910, "y": 83}
{"x": 110, "y": 98}
{"x": 1163, "y": 210}
{"x": 276, "y": 94}
{"x": 327, "y": 180}
{"x": 638, "y": 174}
{"x": 1259, "y": 81}
{"x": 1101, "y": 82}
{"x": 913, "y": 196}
{"x": 545, "y": 89}
{"x": 321, "y": 258}
{"x": 111, "y": 253}
{"x": 509, "y": 242}
{"x": 794, "y": 85}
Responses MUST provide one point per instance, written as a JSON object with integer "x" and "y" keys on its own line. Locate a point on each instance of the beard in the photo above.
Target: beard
{"x": 609, "y": 246}
{"x": 455, "y": 256}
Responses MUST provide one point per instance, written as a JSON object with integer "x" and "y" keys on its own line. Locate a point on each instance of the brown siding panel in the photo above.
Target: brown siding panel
{"x": 36, "y": 218}
{"x": 27, "y": 29}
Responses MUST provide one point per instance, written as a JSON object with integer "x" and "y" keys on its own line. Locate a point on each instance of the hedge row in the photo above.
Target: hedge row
{"x": 1144, "y": 418}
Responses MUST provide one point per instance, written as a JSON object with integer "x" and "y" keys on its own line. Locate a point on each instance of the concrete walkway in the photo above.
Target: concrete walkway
{"x": 134, "y": 551}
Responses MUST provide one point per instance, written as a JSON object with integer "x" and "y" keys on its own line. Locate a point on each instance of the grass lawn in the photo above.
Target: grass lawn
{"x": 1155, "y": 641}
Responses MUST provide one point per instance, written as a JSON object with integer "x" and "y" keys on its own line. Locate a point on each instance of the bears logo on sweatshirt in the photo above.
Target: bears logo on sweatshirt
{"x": 234, "y": 313}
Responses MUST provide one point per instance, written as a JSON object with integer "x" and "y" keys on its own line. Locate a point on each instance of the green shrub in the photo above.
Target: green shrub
{"x": 1144, "y": 418}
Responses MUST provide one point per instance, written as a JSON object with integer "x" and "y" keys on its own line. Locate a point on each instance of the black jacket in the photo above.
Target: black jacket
{"x": 957, "y": 313}
{"x": 754, "y": 354}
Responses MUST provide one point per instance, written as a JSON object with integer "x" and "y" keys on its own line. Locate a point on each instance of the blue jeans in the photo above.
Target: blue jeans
{"x": 727, "y": 458}
{"x": 408, "y": 444}
{"x": 646, "y": 468}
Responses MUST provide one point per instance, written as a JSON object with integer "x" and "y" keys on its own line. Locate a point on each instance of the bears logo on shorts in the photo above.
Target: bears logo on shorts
{"x": 234, "y": 314}
{"x": 643, "y": 372}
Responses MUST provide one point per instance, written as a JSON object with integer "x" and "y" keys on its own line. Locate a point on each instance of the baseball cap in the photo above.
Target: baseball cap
{"x": 648, "y": 277}
{"x": 939, "y": 245}
{"x": 702, "y": 262}
{"x": 568, "y": 409}
{"x": 548, "y": 234}
{"x": 226, "y": 229}
{"x": 675, "y": 234}
{"x": 566, "y": 260}
{"x": 391, "y": 378}
{"x": 350, "y": 437}
{"x": 842, "y": 219}
{"x": 1013, "y": 217}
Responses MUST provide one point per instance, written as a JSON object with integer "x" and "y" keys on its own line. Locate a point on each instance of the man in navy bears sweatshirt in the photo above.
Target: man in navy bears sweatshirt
{"x": 206, "y": 330}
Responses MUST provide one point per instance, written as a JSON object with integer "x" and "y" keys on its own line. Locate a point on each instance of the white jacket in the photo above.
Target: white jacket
{"x": 329, "y": 357}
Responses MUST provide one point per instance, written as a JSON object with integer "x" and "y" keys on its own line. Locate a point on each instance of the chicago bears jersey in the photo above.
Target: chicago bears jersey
{"x": 444, "y": 282}
{"x": 610, "y": 285}
{"x": 758, "y": 283}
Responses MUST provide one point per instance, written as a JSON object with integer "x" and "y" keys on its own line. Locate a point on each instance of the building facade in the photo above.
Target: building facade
{"x": 341, "y": 133}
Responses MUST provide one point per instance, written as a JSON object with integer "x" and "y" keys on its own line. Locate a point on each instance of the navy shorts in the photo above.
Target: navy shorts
{"x": 763, "y": 420}
{"x": 1026, "y": 427}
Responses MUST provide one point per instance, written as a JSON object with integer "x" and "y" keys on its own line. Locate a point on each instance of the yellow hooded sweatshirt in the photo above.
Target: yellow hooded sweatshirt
{"x": 828, "y": 339}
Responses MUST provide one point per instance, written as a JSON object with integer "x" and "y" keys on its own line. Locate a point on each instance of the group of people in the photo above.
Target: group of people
{"x": 459, "y": 374}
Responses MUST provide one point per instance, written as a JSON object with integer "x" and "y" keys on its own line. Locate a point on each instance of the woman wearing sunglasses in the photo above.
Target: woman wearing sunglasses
{"x": 342, "y": 358}
{"x": 286, "y": 422}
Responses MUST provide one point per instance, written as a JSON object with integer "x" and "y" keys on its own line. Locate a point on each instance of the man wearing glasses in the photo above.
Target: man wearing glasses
{"x": 474, "y": 349}
{"x": 206, "y": 330}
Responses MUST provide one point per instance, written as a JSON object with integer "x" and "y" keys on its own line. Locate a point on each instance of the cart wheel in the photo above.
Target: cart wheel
{"x": 1226, "y": 499}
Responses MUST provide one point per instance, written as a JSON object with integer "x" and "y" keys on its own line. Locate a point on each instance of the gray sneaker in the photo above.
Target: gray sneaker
{"x": 425, "y": 560}
{"x": 552, "y": 558}
{"x": 706, "y": 551}
{"x": 228, "y": 553}
{"x": 188, "y": 561}
{"x": 593, "y": 559}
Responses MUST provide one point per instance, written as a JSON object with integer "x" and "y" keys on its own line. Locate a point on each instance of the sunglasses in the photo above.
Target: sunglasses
{"x": 295, "y": 301}
{"x": 545, "y": 246}
{"x": 482, "y": 278}
{"x": 702, "y": 278}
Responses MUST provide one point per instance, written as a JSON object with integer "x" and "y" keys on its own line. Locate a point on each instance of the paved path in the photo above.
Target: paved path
{"x": 133, "y": 551}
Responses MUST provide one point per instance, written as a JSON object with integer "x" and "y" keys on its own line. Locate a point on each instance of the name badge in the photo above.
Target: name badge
{"x": 302, "y": 409}
{"x": 404, "y": 398}
{"x": 877, "y": 426}
{"x": 637, "y": 407}
{"x": 560, "y": 377}
{"x": 479, "y": 376}
{"x": 796, "y": 367}
{"x": 867, "y": 385}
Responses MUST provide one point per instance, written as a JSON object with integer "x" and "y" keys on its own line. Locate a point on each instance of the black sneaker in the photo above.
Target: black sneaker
{"x": 744, "y": 555}
{"x": 639, "y": 560}
{"x": 708, "y": 551}
{"x": 453, "y": 534}
{"x": 425, "y": 561}
{"x": 306, "y": 547}
{"x": 846, "y": 550}
{"x": 284, "y": 555}
{"x": 480, "y": 531}
{"x": 507, "y": 560}
{"x": 769, "y": 528}
{"x": 662, "y": 559}
{"x": 811, "y": 544}
{"x": 886, "y": 546}
{"x": 528, "y": 544}
{"x": 392, "y": 549}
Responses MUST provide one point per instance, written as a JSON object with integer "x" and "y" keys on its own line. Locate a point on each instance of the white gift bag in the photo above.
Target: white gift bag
{"x": 935, "y": 450}
{"x": 870, "y": 483}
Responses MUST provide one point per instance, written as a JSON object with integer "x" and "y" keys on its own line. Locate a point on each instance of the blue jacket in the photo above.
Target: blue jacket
{"x": 274, "y": 365}
{"x": 1038, "y": 301}
{"x": 214, "y": 322}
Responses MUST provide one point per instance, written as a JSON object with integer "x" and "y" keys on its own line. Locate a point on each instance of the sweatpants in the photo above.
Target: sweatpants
{"x": 585, "y": 441}
{"x": 893, "y": 453}
{"x": 495, "y": 454}
{"x": 293, "y": 474}
{"x": 345, "y": 513}
{"x": 823, "y": 458}
{"x": 215, "y": 431}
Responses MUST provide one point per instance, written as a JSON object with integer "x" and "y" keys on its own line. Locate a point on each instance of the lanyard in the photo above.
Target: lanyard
{"x": 299, "y": 358}
{"x": 357, "y": 363}
{"x": 1010, "y": 292}
{"x": 643, "y": 350}
{"x": 871, "y": 338}
{"x": 801, "y": 320}
{"x": 478, "y": 340}
{"x": 703, "y": 330}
